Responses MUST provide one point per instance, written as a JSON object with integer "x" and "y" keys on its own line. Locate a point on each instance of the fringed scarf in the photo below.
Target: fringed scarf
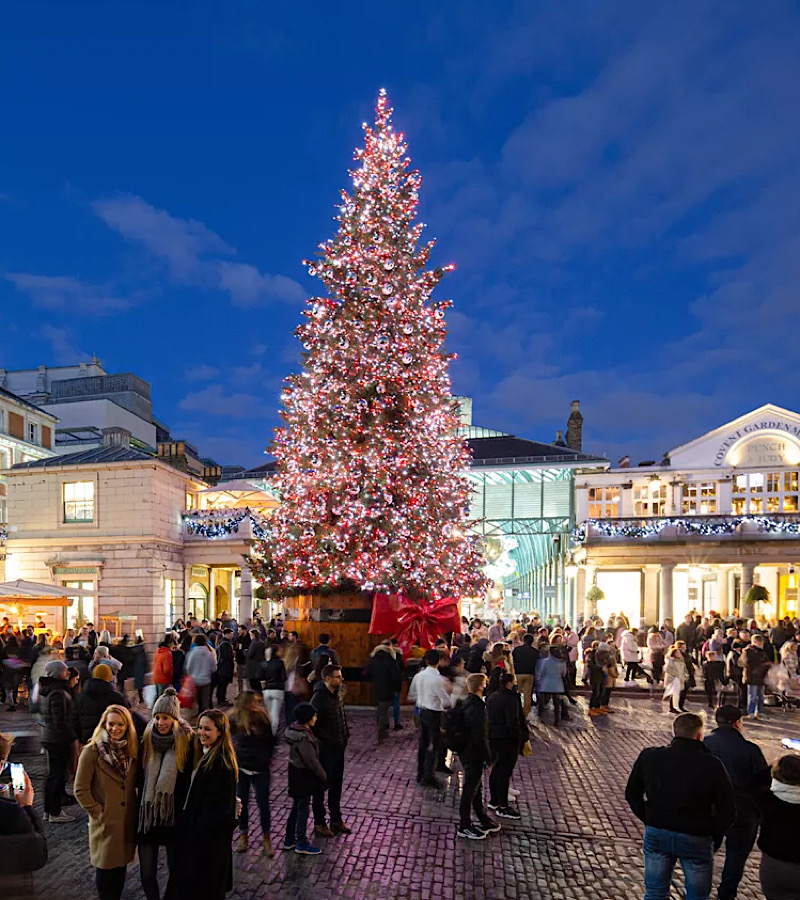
{"x": 157, "y": 806}
{"x": 114, "y": 754}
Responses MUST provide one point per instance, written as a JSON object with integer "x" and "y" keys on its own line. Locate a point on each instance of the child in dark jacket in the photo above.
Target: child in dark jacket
{"x": 306, "y": 776}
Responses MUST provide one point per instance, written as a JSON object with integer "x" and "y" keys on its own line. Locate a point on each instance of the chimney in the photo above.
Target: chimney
{"x": 625, "y": 462}
{"x": 116, "y": 437}
{"x": 560, "y": 439}
{"x": 575, "y": 427}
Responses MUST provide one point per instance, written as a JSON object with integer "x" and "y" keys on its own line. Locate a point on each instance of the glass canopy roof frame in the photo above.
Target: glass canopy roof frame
{"x": 535, "y": 507}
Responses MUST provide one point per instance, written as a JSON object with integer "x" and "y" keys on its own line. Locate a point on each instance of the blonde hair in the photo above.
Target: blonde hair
{"x": 223, "y": 749}
{"x": 246, "y": 709}
{"x": 183, "y": 735}
{"x": 100, "y": 733}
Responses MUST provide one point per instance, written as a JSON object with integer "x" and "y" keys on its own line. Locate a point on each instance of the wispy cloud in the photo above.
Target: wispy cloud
{"x": 69, "y": 294}
{"x": 214, "y": 400}
{"x": 63, "y": 344}
{"x": 193, "y": 254}
{"x": 202, "y": 372}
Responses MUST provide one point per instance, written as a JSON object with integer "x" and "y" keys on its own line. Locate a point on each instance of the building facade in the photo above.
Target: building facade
{"x": 697, "y": 530}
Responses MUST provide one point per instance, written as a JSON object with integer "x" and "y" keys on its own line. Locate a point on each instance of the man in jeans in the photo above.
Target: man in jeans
{"x": 333, "y": 733}
{"x": 750, "y": 776}
{"x": 755, "y": 663}
{"x": 684, "y": 796}
{"x": 475, "y": 757}
{"x": 525, "y": 657}
{"x": 432, "y": 694}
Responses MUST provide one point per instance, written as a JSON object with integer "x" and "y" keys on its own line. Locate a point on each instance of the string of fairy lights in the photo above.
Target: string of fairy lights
{"x": 224, "y": 523}
{"x": 683, "y": 525}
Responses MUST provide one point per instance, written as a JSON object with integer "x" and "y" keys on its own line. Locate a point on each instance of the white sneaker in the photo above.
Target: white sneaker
{"x": 60, "y": 818}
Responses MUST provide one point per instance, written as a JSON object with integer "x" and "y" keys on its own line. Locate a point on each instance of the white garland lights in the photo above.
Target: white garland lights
{"x": 212, "y": 523}
{"x": 640, "y": 530}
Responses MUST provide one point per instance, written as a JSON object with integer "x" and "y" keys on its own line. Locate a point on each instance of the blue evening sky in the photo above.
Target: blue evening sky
{"x": 617, "y": 183}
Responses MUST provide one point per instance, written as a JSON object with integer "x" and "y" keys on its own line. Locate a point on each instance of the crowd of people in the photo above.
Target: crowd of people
{"x": 182, "y": 778}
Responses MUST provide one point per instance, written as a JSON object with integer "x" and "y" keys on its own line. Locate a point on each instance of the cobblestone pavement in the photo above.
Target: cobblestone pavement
{"x": 577, "y": 837}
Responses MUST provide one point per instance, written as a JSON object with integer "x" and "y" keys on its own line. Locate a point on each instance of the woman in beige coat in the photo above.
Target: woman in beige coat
{"x": 105, "y": 786}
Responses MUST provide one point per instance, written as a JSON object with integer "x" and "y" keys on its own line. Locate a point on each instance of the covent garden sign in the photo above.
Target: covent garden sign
{"x": 768, "y": 442}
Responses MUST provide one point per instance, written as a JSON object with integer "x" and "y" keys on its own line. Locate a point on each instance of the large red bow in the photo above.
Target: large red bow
{"x": 414, "y": 622}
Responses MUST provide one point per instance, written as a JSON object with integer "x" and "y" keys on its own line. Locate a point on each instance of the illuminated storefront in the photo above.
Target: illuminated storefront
{"x": 697, "y": 530}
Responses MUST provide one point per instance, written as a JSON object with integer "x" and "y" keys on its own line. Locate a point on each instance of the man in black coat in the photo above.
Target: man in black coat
{"x": 749, "y": 774}
{"x": 684, "y": 796}
{"x": 525, "y": 657}
{"x": 475, "y": 757}
{"x": 332, "y": 732}
{"x": 89, "y": 705}
{"x": 508, "y": 733}
{"x": 241, "y": 644}
{"x": 382, "y": 671}
{"x": 225, "y": 660}
{"x": 58, "y": 737}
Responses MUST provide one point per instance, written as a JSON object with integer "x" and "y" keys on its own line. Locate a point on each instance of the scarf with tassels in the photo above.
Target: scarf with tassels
{"x": 157, "y": 805}
{"x": 114, "y": 754}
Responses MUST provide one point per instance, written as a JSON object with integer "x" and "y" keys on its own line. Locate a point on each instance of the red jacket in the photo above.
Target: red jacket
{"x": 162, "y": 666}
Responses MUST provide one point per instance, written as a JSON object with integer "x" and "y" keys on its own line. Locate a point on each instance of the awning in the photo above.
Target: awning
{"x": 34, "y": 593}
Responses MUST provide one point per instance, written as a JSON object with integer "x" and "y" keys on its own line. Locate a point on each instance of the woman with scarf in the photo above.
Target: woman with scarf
{"x": 163, "y": 782}
{"x": 780, "y": 825}
{"x": 202, "y": 865}
{"x": 105, "y": 786}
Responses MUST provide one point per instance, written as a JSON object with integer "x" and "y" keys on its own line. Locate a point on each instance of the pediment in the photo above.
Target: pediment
{"x": 766, "y": 437}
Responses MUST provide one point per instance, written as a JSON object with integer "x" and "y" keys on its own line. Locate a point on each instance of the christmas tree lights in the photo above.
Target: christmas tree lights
{"x": 371, "y": 470}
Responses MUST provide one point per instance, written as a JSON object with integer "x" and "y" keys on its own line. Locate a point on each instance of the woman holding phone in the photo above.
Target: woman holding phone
{"x": 105, "y": 786}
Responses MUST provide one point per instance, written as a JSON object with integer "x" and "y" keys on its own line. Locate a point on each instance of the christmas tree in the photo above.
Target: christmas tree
{"x": 371, "y": 469}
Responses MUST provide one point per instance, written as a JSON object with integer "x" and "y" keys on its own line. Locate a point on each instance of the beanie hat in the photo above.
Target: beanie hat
{"x": 304, "y": 713}
{"x": 55, "y": 669}
{"x": 168, "y": 704}
{"x": 102, "y": 672}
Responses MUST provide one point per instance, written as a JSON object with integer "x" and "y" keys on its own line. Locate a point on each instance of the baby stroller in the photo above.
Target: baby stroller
{"x": 784, "y": 689}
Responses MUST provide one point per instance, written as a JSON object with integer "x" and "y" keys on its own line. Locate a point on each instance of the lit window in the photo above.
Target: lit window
{"x": 756, "y": 483}
{"x": 790, "y": 503}
{"x": 604, "y": 502}
{"x": 773, "y": 482}
{"x": 773, "y": 504}
{"x": 79, "y": 501}
{"x": 739, "y": 484}
{"x": 189, "y": 500}
{"x": 790, "y": 482}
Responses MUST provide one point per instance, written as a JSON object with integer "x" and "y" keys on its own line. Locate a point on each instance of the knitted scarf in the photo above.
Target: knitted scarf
{"x": 789, "y": 793}
{"x": 157, "y": 806}
{"x": 115, "y": 754}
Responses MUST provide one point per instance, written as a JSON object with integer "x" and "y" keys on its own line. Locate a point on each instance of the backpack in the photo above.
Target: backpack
{"x": 455, "y": 728}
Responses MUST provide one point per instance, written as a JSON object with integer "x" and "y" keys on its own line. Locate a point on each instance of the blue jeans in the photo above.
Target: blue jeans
{"x": 260, "y": 783}
{"x": 297, "y": 822}
{"x": 755, "y": 698}
{"x": 662, "y": 849}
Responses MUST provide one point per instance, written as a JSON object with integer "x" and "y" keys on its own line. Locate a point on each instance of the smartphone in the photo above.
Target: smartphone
{"x": 17, "y": 777}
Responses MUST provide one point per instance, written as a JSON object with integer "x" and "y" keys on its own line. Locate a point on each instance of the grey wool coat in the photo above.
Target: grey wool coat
{"x": 112, "y": 832}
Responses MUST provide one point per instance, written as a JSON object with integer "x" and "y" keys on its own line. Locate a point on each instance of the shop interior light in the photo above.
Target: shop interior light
{"x": 570, "y": 570}
{"x": 695, "y": 573}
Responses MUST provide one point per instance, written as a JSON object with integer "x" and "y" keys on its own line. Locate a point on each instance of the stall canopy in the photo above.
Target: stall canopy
{"x": 31, "y": 592}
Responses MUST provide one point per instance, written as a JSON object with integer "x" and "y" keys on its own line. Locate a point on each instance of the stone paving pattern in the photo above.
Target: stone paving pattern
{"x": 577, "y": 837}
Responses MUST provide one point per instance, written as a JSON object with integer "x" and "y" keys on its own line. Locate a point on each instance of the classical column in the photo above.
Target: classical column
{"x": 748, "y": 574}
{"x": 650, "y": 609}
{"x": 723, "y": 597}
{"x": 580, "y": 592}
{"x": 245, "y": 596}
{"x": 666, "y": 590}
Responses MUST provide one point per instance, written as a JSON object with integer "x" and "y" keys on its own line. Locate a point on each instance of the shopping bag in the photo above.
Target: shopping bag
{"x": 150, "y": 693}
{"x": 187, "y": 693}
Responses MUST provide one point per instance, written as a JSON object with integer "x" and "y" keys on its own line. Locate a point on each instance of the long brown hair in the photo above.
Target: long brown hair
{"x": 183, "y": 735}
{"x": 223, "y": 749}
{"x": 100, "y": 732}
{"x": 247, "y": 710}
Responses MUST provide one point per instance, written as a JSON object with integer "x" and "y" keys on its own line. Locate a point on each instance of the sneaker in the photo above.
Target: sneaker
{"x": 307, "y": 849}
{"x": 398, "y": 726}
{"x": 507, "y": 812}
{"x": 491, "y": 806}
{"x": 288, "y": 845}
{"x": 340, "y": 828}
{"x": 471, "y": 832}
{"x": 61, "y": 818}
{"x": 490, "y": 826}
{"x": 323, "y": 830}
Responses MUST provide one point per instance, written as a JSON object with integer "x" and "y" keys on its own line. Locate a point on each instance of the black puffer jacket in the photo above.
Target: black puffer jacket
{"x": 331, "y": 729}
{"x": 90, "y": 704}
{"x": 506, "y": 719}
{"x": 476, "y": 722}
{"x": 253, "y": 750}
{"x": 55, "y": 708}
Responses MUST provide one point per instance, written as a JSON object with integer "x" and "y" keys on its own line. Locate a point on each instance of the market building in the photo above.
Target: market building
{"x": 147, "y": 540}
{"x": 698, "y": 529}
